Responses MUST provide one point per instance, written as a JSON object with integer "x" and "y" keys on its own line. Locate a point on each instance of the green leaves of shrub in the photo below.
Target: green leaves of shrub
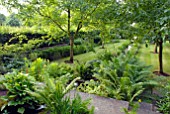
{"x": 41, "y": 67}
{"x": 17, "y": 98}
{"x": 122, "y": 77}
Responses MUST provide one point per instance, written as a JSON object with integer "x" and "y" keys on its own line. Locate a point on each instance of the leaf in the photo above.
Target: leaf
{"x": 12, "y": 103}
{"x": 3, "y": 107}
{"x": 21, "y": 110}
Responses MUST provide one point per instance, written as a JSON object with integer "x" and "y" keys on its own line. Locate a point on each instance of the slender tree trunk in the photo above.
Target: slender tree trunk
{"x": 70, "y": 35}
{"x": 156, "y": 48}
{"x": 71, "y": 48}
{"x": 102, "y": 44}
{"x": 160, "y": 56}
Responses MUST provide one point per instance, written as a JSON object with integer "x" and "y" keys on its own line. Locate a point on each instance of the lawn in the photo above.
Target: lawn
{"x": 112, "y": 47}
{"x": 150, "y": 58}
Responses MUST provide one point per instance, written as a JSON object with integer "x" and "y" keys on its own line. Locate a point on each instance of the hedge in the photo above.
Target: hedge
{"x": 58, "y": 52}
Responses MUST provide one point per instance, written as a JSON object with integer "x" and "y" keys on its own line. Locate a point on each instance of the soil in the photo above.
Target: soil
{"x": 67, "y": 61}
{"x": 161, "y": 74}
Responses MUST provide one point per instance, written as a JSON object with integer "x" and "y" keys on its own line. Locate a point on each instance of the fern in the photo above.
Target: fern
{"x": 53, "y": 95}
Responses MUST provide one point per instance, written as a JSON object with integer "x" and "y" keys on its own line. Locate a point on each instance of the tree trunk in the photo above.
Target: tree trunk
{"x": 102, "y": 44}
{"x": 71, "y": 48}
{"x": 156, "y": 48}
{"x": 70, "y": 35}
{"x": 160, "y": 56}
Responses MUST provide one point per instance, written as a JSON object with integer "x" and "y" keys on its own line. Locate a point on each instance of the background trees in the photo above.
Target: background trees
{"x": 63, "y": 16}
{"x": 2, "y": 19}
{"x": 153, "y": 17}
{"x": 12, "y": 20}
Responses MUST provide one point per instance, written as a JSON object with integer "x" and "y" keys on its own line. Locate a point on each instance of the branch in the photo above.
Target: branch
{"x": 92, "y": 11}
{"x": 54, "y": 21}
{"x": 78, "y": 28}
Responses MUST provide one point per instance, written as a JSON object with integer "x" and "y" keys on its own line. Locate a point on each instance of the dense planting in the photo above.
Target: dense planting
{"x": 50, "y": 47}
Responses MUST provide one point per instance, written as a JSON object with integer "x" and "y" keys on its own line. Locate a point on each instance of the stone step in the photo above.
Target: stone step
{"x": 142, "y": 111}
{"x": 103, "y": 105}
{"x": 147, "y": 108}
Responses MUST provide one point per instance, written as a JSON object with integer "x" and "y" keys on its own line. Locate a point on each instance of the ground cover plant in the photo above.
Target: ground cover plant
{"x": 28, "y": 90}
{"x": 121, "y": 77}
{"x": 17, "y": 99}
{"x": 164, "y": 102}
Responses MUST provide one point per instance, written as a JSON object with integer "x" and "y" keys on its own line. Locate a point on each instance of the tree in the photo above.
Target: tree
{"x": 12, "y": 20}
{"x": 68, "y": 16}
{"x": 153, "y": 16}
{"x": 2, "y": 19}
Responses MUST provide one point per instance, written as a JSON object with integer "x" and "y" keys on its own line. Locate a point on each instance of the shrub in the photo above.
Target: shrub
{"x": 17, "y": 99}
{"x": 41, "y": 67}
{"x": 59, "y": 52}
{"x": 56, "y": 70}
{"x": 85, "y": 71}
{"x": 37, "y": 68}
{"x": 77, "y": 42}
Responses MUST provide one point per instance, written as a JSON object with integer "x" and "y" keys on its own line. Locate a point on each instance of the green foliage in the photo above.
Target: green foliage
{"x": 9, "y": 61}
{"x": 164, "y": 103}
{"x": 41, "y": 67}
{"x": 123, "y": 47}
{"x": 22, "y": 29}
{"x": 77, "y": 42}
{"x": 93, "y": 87}
{"x": 85, "y": 71}
{"x": 17, "y": 99}
{"x": 2, "y": 19}
{"x": 56, "y": 70}
{"x": 60, "y": 51}
{"x": 123, "y": 77}
{"x": 2, "y": 78}
{"x": 133, "y": 109}
{"x": 37, "y": 68}
{"x": 107, "y": 55}
{"x": 57, "y": 102}
{"x": 12, "y": 20}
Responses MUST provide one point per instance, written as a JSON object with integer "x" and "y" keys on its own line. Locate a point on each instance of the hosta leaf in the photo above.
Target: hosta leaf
{"x": 21, "y": 110}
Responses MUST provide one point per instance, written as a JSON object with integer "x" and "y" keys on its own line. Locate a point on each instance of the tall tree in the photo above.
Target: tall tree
{"x": 153, "y": 16}
{"x": 68, "y": 16}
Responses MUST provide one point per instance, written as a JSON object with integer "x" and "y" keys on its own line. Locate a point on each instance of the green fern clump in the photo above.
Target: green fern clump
{"x": 123, "y": 77}
{"x": 164, "y": 103}
{"x": 86, "y": 70}
{"x": 53, "y": 95}
{"x": 41, "y": 67}
{"x": 56, "y": 70}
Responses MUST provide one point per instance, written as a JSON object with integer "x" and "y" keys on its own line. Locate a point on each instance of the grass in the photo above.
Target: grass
{"x": 150, "y": 58}
{"x": 112, "y": 47}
